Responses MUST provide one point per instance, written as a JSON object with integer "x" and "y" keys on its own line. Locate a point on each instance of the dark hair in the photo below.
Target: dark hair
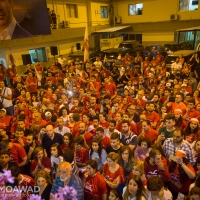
{"x": 4, "y": 144}
{"x": 60, "y": 153}
{"x": 195, "y": 190}
{"x": 188, "y": 130}
{"x": 115, "y": 136}
{"x": 93, "y": 164}
{"x": 33, "y": 136}
{"x": 87, "y": 115}
{"x": 76, "y": 117}
{"x": 126, "y": 122}
{"x": 155, "y": 183}
{"x": 169, "y": 116}
{"x": 107, "y": 97}
{"x": 79, "y": 140}
{"x": 147, "y": 121}
{"x": 180, "y": 130}
{"x": 60, "y": 111}
{"x": 130, "y": 154}
{"x": 153, "y": 153}
{"x": 68, "y": 155}
{"x": 71, "y": 140}
{"x": 116, "y": 193}
{"x": 147, "y": 140}
{"x": 100, "y": 129}
{"x": 19, "y": 130}
{"x": 95, "y": 140}
{"x": 159, "y": 148}
{"x": 141, "y": 190}
{"x": 3, "y": 152}
{"x": 127, "y": 113}
{"x": 179, "y": 122}
{"x": 113, "y": 122}
{"x": 95, "y": 118}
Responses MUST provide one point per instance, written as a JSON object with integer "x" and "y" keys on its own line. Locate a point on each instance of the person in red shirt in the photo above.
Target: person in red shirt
{"x": 147, "y": 131}
{"x": 2, "y": 73}
{"x": 19, "y": 137}
{"x": 5, "y": 120}
{"x": 190, "y": 111}
{"x": 105, "y": 140}
{"x": 113, "y": 173}
{"x": 87, "y": 136}
{"x": 110, "y": 88}
{"x": 38, "y": 66}
{"x": 178, "y": 104}
{"x": 181, "y": 173}
{"x": 94, "y": 86}
{"x": 139, "y": 102}
{"x": 31, "y": 83}
{"x": 82, "y": 154}
{"x": 11, "y": 72}
{"x": 40, "y": 162}
{"x": 94, "y": 182}
{"x": 156, "y": 165}
{"x": 37, "y": 120}
{"x": 102, "y": 120}
{"x": 151, "y": 115}
{"x": 17, "y": 152}
{"x": 50, "y": 77}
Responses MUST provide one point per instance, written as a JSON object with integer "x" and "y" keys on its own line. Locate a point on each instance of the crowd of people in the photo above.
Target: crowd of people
{"x": 127, "y": 129}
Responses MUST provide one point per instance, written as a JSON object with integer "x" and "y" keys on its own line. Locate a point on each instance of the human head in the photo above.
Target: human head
{"x": 156, "y": 186}
{"x": 112, "y": 158}
{"x": 50, "y": 131}
{"x": 79, "y": 143}
{"x": 99, "y": 133}
{"x": 146, "y": 124}
{"x": 30, "y": 139}
{"x": 178, "y": 136}
{"x": 56, "y": 150}
{"x": 82, "y": 128}
{"x": 41, "y": 178}
{"x": 169, "y": 121}
{"x": 91, "y": 167}
{"x": 38, "y": 153}
{"x": 19, "y": 133}
{"x": 144, "y": 143}
{"x": 112, "y": 125}
{"x": 138, "y": 168}
{"x": 154, "y": 156}
{"x": 125, "y": 126}
{"x": 68, "y": 155}
{"x": 114, "y": 195}
{"x": 134, "y": 187}
{"x": 114, "y": 140}
{"x": 65, "y": 171}
{"x": 4, "y": 158}
{"x": 7, "y": 13}
{"x": 194, "y": 193}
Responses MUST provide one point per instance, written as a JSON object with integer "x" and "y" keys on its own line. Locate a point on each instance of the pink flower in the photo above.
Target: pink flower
{"x": 34, "y": 197}
{"x": 6, "y": 177}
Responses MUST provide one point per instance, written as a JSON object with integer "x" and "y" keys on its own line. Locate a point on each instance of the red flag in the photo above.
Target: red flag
{"x": 86, "y": 45}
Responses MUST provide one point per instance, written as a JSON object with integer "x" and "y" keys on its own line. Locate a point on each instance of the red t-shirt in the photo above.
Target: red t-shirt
{"x": 5, "y": 122}
{"x": 23, "y": 138}
{"x": 152, "y": 117}
{"x": 88, "y": 138}
{"x": 105, "y": 142}
{"x": 175, "y": 176}
{"x": 32, "y": 88}
{"x": 82, "y": 156}
{"x": 104, "y": 125}
{"x": 17, "y": 153}
{"x": 95, "y": 187}
{"x": 110, "y": 89}
{"x": 112, "y": 176}
{"x": 45, "y": 162}
{"x": 151, "y": 134}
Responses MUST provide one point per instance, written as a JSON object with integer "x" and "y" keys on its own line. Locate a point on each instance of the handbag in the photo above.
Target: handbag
{"x": 1, "y": 101}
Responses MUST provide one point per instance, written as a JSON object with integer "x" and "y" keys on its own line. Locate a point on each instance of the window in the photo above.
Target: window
{"x": 104, "y": 11}
{"x": 188, "y": 4}
{"x": 72, "y": 11}
{"x": 135, "y": 9}
{"x": 38, "y": 55}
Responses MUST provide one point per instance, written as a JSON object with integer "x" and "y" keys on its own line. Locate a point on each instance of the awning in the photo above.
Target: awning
{"x": 114, "y": 29}
{"x": 189, "y": 29}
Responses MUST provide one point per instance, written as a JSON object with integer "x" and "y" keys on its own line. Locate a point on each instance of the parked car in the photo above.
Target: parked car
{"x": 132, "y": 47}
{"x": 153, "y": 48}
{"x": 187, "y": 54}
{"x": 169, "y": 48}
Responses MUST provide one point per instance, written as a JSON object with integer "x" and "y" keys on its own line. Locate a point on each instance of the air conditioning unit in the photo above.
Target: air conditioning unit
{"x": 66, "y": 24}
{"x": 174, "y": 17}
{"x": 118, "y": 19}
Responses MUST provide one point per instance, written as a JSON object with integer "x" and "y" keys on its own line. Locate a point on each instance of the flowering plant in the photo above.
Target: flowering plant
{"x": 6, "y": 192}
{"x": 66, "y": 193}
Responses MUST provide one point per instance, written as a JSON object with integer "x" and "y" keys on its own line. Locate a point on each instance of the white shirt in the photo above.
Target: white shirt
{"x": 62, "y": 131}
{"x": 8, "y": 31}
{"x": 6, "y": 102}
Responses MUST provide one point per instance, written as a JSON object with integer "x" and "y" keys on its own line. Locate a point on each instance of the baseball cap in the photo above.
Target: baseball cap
{"x": 3, "y": 109}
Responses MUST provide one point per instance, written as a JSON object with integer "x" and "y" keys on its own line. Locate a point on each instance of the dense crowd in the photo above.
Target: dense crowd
{"x": 127, "y": 129}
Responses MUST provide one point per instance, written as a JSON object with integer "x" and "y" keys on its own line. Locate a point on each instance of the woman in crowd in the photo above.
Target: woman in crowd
{"x": 68, "y": 142}
{"x": 180, "y": 123}
{"x": 181, "y": 174}
{"x": 112, "y": 171}
{"x": 63, "y": 112}
{"x": 134, "y": 189}
{"x": 192, "y": 132}
{"x": 114, "y": 195}
{"x": 143, "y": 149}
{"x": 40, "y": 161}
{"x": 43, "y": 181}
{"x": 94, "y": 182}
{"x": 98, "y": 153}
{"x": 70, "y": 124}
